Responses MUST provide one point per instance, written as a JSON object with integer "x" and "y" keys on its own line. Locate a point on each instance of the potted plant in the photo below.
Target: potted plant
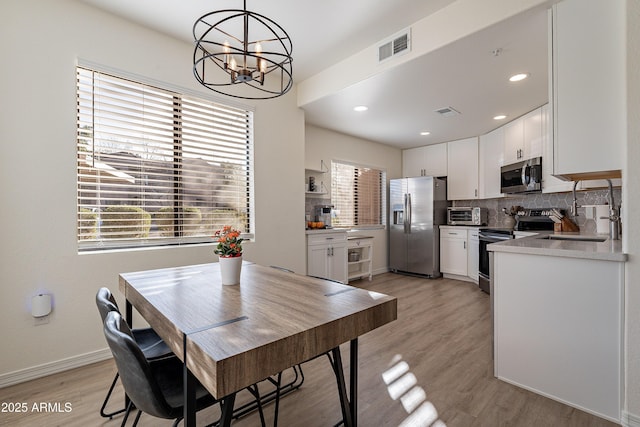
{"x": 229, "y": 250}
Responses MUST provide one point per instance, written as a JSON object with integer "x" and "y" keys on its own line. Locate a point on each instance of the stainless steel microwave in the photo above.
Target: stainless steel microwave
{"x": 466, "y": 216}
{"x": 522, "y": 177}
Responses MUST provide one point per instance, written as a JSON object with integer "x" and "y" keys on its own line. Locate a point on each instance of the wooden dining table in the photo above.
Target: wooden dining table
{"x": 230, "y": 337}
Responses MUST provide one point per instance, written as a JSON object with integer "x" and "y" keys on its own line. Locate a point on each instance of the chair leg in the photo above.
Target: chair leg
{"x": 277, "y": 406}
{"x": 256, "y": 394}
{"x": 126, "y": 415}
{"x": 336, "y": 363}
{"x": 106, "y": 401}
{"x": 135, "y": 422}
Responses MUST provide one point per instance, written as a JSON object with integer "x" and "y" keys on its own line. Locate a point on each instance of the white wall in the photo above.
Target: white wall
{"x": 631, "y": 219}
{"x": 327, "y": 145}
{"x": 40, "y": 42}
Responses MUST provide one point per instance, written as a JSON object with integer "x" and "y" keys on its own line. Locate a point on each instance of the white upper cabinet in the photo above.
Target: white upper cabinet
{"x": 462, "y": 159}
{"x": 523, "y": 138}
{"x": 490, "y": 159}
{"x": 550, "y": 184}
{"x": 430, "y": 160}
{"x": 588, "y": 88}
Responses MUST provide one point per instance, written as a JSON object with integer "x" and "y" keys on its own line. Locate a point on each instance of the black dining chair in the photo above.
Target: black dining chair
{"x": 155, "y": 388}
{"x": 152, "y": 346}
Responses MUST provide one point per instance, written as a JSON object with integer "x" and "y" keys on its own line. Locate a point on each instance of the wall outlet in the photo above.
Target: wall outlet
{"x": 37, "y": 321}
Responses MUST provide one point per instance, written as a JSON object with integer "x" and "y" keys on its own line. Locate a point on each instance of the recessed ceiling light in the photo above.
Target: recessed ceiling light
{"x": 425, "y": 133}
{"x": 360, "y": 108}
{"x": 499, "y": 117}
{"x": 518, "y": 77}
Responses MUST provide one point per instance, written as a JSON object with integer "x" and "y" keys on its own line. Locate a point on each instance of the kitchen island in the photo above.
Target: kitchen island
{"x": 558, "y": 309}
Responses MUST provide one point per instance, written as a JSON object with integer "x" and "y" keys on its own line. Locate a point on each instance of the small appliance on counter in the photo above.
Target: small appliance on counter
{"x": 466, "y": 216}
{"x": 323, "y": 214}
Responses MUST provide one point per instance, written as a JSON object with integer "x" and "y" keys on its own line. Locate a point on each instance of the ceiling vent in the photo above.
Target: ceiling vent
{"x": 398, "y": 44}
{"x": 448, "y": 112}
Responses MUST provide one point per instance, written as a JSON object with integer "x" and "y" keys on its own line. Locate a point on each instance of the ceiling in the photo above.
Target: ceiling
{"x": 465, "y": 75}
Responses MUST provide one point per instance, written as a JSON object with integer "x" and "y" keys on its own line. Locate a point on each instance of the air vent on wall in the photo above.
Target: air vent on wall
{"x": 398, "y": 44}
{"x": 448, "y": 111}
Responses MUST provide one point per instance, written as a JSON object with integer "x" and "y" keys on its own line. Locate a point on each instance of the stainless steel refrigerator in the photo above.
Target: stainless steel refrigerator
{"x": 417, "y": 207}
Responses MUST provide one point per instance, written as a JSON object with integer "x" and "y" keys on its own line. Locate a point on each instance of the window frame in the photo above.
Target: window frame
{"x": 184, "y": 95}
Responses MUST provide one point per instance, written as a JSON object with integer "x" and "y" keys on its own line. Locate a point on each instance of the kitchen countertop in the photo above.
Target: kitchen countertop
{"x": 326, "y": 230}
{"x": 609, "y": 250}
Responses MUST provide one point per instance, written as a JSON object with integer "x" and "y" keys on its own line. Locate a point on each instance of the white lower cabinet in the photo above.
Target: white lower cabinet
{"x": 559, "y": 328}
{"x": 459, "y": 252}
{"x": 327, "y": 256}
{"x": 453, "y": 251}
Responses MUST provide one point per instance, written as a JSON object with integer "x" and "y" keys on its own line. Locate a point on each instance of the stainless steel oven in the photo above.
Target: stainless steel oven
{"x": 486, "y": 237}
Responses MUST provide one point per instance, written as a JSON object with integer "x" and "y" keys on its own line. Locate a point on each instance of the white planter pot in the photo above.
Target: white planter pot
{"x": 230, "y": 269}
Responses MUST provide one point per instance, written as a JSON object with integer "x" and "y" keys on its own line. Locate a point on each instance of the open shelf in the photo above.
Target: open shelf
{"x": 361, "y": 268}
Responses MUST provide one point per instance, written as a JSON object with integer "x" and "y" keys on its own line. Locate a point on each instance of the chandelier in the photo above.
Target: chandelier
{"x": 242, "y": 54}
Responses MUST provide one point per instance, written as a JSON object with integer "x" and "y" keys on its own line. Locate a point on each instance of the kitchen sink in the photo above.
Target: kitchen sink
{"x": 575, "y": 238}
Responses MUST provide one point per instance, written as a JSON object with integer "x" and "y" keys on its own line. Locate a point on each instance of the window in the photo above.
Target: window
{"x": 358, "y": 195}
{"x": 157, "y": 167}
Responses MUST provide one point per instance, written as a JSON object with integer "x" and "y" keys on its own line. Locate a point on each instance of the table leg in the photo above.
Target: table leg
{"x": 345, "y": 406}
{"x": 189, "y": 390}
{"x": 227, "y": 410}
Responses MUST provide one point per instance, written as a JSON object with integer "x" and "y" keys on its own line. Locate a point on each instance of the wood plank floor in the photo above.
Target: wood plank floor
{"x": 441, "y": 338}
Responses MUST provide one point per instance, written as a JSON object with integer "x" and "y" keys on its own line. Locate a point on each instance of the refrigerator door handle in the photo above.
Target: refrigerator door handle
{"x": 407, "y": 215}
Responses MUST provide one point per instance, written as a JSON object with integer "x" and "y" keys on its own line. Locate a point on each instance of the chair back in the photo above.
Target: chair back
{"x": 134, "y": 369}
{"x": 106, "y": 303}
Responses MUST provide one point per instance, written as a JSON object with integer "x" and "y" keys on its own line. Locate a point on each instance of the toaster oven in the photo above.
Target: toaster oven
{"x": 466, "y": 216}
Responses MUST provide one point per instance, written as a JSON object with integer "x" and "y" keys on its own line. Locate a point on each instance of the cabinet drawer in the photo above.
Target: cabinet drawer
{"x": 453, "y": 234}
{"x": 324, "y": 238}
{"x": 357, "y": 243}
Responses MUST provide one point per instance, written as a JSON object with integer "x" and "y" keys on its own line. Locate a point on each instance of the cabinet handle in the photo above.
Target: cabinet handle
{"x": 328, "y": 251}
{"x": 464, "y": 245}
{"x": 476, "y": 192}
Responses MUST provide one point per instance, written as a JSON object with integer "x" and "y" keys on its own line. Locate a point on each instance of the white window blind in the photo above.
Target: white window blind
{"x": 156, "y": 167}
{"x": 358, "y": 195}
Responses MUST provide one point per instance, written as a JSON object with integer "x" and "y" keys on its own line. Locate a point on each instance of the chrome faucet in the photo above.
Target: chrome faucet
{"x": 614, "y": 216}
{"x": 574, "y": 206}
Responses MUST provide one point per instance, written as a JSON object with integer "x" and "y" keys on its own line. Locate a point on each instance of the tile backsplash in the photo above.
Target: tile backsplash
{"x": 546, "y": 200}
{"x": 538, "y": 200}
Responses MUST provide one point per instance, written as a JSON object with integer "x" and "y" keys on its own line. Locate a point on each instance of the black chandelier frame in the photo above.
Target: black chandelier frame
{"x": 254, "y": 65}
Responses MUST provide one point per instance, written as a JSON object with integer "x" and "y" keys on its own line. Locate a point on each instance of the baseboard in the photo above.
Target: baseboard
{"x": 40, "y": 371}
{"x": 380, "y": 271}
{"x": 630, "y": 420}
